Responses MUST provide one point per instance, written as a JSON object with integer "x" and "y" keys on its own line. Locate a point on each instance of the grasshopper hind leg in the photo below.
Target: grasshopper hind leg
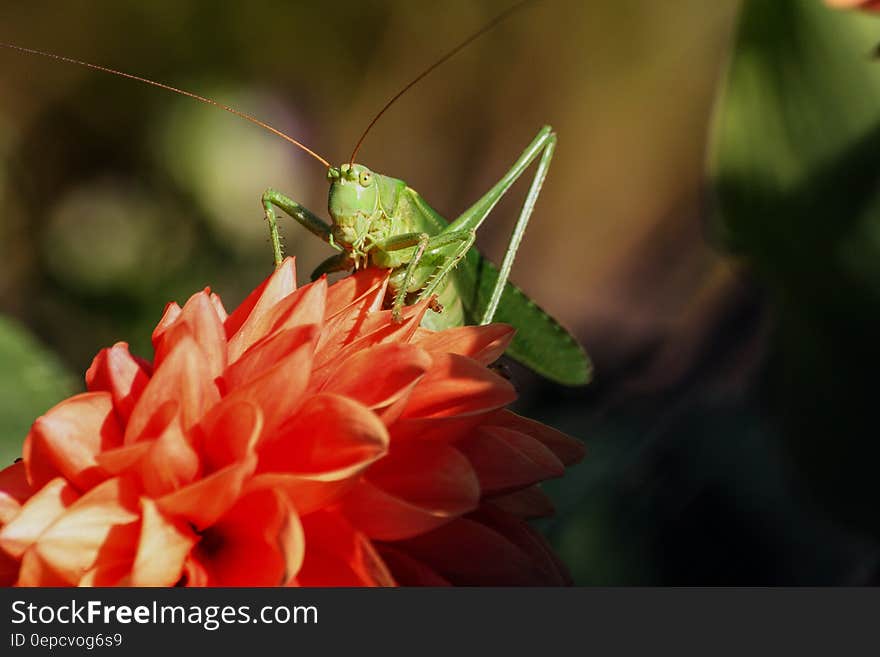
{"x": 543, "y": 144}
{"x": 519, "y": 228}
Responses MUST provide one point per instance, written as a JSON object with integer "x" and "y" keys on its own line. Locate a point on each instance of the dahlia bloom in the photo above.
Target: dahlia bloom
{"x": 304, "y": 439}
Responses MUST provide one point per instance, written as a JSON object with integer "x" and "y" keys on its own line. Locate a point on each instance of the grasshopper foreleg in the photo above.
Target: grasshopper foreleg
{"x": 303, "y": 215}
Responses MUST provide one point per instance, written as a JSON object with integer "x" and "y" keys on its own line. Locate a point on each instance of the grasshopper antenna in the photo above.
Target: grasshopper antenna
{"x": 182, "y": 92}
{"x": 473, "y": 37}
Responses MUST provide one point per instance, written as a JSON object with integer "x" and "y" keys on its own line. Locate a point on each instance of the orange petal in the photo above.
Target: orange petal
{"x": 328, "y": 433}
{"x": 375, "y": 328}
{"x": 34, "y": 571}
{"x": 116, "y": 573}
{"x": 166, "y": 412}
{"x": 278, "y": 391}
{"x": 231, "y": 431}
{"x": 417, "y": 487}
{"x": 9, "y": 568}
{"x": 291, "y": 323}
{"x": 199, "y": 320}
{"x": 342, "y": 327}
{"x": 380, "y": 375}
{"x": 204, "y": 501}
{"x": 456, "y": 385}
{"x": 14, "y": 491}
{"x": 317, "y": 454}
{"x": 123, "y": 459}
{"x": 219, "y": 309}
{"x": 116, "y": 371}
{"x": 172, "y": 312}
{"x": 170, "y": 463}
{"x": 184, "y": 377}
{"x": 100, "y": 525}
{"x": 338, "y": 555}
{"x": 194, "y": 573}
{"x": 66, "y": 440}
{"x": 567, "y": 449}
{"x": 301, "y": 308}
{"x": 114, "y": 561}
{"x": 367, "y": 284}
{"x": 442, "y": 429}
{"x": 162, "y": 549}
{"x": 309, "y": 492}
{"x": 258, "y": 542}
{"x": 267, "y": 353}
{"x": 378, "y": 326}
{"x": 482, "y": 343}
{"x": 505, "y": 459}
{"x": 248, "y": 323}
{"x": 40, "y": 511}
{"x": 275, "y": 287}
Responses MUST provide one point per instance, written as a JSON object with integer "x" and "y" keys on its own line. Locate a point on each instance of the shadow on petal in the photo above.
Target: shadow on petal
{"x": 531, "y": 502}
{"x": 258, "y": 542}
{"x": 204, "y": 501}
{"x": 505, "y": 459}
{"x": 488, "y": 548}
{"x": 416, "y": 488}
{"x": 338, "y": 555}
{"x": 567, "y": 449}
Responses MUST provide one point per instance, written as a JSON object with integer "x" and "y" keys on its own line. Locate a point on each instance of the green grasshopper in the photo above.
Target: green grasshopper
{"x": 381, "y": 221}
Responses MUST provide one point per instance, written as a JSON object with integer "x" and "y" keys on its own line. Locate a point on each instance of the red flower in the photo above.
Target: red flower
{"x": 303, "y": 439}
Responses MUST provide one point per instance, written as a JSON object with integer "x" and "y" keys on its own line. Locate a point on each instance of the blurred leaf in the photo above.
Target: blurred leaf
{"x": 111, "y": 236}
{"x": 31, "y": 381}
{"x": 801, "y": 90}
{"x": 795, "y": 166}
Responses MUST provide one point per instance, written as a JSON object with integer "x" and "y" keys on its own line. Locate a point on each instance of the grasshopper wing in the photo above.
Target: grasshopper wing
{"x": 540, "y": 343}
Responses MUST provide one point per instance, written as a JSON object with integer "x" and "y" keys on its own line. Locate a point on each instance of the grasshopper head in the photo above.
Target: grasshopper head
{"x": 354, "y": 200}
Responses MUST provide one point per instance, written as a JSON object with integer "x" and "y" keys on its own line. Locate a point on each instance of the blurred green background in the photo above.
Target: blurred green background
{"x": 730, "y": 301}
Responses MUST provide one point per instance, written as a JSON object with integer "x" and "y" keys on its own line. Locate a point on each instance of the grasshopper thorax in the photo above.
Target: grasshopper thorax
{"x": 361, "y": 205}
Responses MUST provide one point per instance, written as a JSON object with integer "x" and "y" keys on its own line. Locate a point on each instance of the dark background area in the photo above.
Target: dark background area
{"x": 710, "y": 229}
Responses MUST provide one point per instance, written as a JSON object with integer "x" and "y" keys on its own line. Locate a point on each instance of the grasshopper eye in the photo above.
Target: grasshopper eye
{"x": 365, "y": 178}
